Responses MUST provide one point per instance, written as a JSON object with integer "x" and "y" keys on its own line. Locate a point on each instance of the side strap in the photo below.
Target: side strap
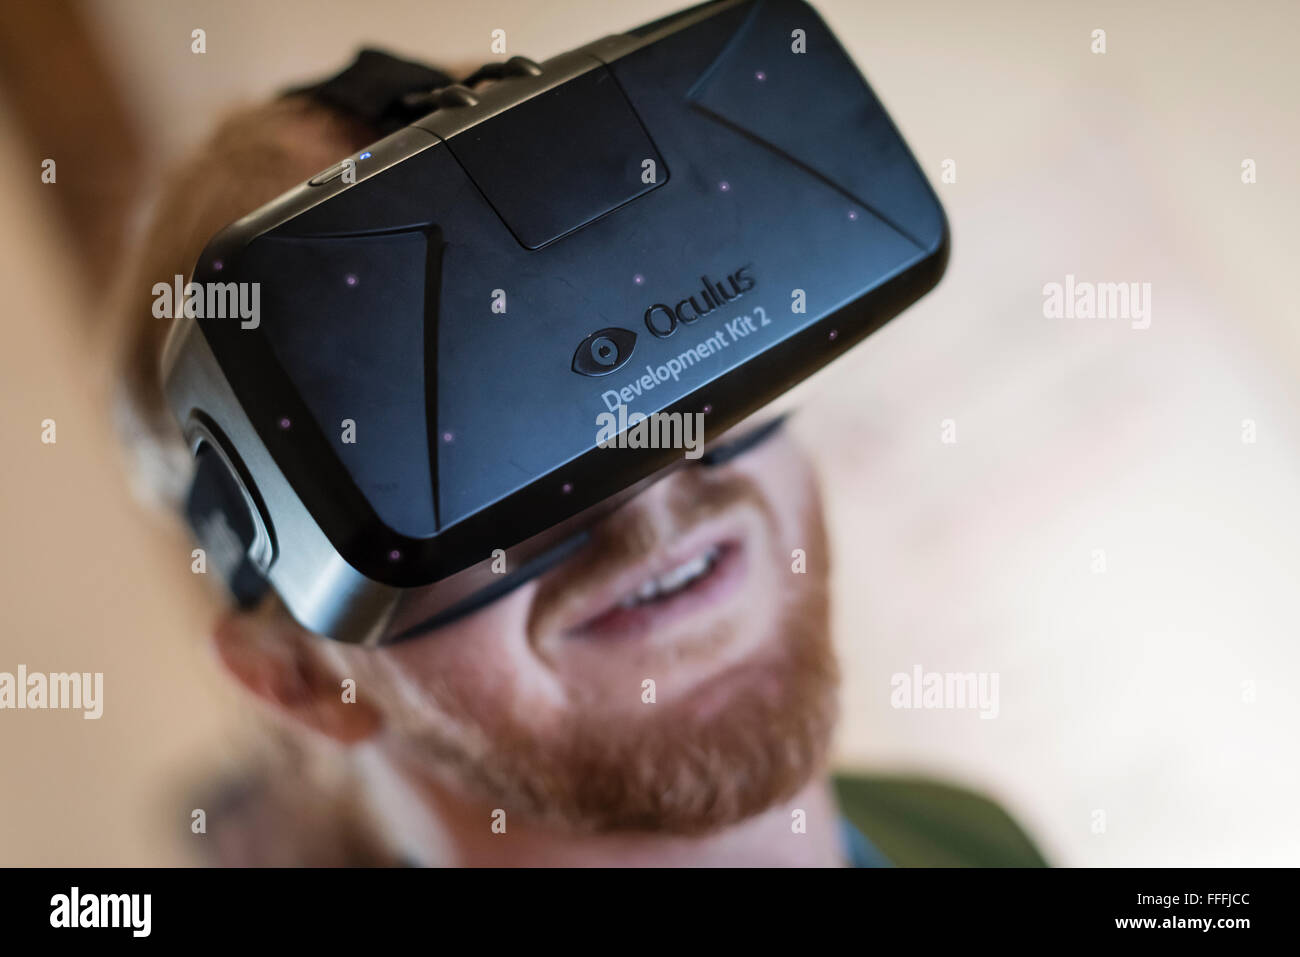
{"x": 376, "y": 89}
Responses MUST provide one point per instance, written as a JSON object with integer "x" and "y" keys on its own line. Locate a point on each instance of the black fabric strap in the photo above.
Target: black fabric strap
{"x": 375, "y": 88}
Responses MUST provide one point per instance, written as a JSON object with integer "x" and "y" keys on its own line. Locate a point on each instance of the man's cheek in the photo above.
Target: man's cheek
{"x": 795, "y": 500}
{"x": 481, "y": 667}
{"x": 454, "y": 666}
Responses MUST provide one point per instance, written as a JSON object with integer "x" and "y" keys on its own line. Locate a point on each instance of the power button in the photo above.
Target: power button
{"x": 333, "y": 173}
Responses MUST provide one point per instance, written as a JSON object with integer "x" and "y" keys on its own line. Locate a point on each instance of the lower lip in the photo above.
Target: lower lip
{"x": 625, "y": 624}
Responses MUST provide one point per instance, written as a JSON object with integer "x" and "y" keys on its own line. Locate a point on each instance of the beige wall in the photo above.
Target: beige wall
{"x": 1120, "y": 691}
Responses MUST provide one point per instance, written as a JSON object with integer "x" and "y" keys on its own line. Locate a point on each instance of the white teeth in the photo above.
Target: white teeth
{"x": 672, "y": 580}
{"x": 676, "y": 577}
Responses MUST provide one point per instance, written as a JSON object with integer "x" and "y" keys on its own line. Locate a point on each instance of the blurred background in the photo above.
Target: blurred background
{"x": 1113, "y": 531}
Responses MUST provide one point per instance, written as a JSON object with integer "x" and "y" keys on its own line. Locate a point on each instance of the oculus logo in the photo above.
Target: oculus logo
{"x": 604, "y": 351}
{"x": 662, "y": 319}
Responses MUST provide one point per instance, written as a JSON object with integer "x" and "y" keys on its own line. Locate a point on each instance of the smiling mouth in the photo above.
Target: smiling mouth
{"x": 678, "y": 591}
{"x": 663, "y": 587}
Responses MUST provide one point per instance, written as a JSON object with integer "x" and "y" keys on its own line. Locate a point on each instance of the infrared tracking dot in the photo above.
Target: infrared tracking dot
{"x": 760, "y": 76}
{"x": 708, "y": 409}
{"x": 350, "y": 279}
{"x": 284, "y": 422}
{"x": 218, "y": 265}
{"x": 566, "y": 488}
{"x": 724, "y": 186}
{"x": 832, "y": 335}
{"x": 394, "y": 555}
{"x": 638, "y": 279}
{"x": 448, "y": 436}
{"x": 853, "y": 214}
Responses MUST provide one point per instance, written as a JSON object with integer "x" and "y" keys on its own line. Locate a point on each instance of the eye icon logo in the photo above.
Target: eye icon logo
{"x": 604, "y": 351}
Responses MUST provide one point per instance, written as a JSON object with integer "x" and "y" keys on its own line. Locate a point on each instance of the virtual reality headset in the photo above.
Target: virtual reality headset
{"x": 392, "y": 377}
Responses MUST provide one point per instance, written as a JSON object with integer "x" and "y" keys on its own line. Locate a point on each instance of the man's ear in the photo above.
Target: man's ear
{"x": 277, "y": 661}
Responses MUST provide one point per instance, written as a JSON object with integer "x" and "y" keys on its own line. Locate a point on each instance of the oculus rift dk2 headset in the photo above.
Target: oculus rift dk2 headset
{"x": 647, "y": 206}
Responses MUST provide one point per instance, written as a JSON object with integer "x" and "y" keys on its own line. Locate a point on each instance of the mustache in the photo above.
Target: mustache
{"x": 640, "y": 530}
